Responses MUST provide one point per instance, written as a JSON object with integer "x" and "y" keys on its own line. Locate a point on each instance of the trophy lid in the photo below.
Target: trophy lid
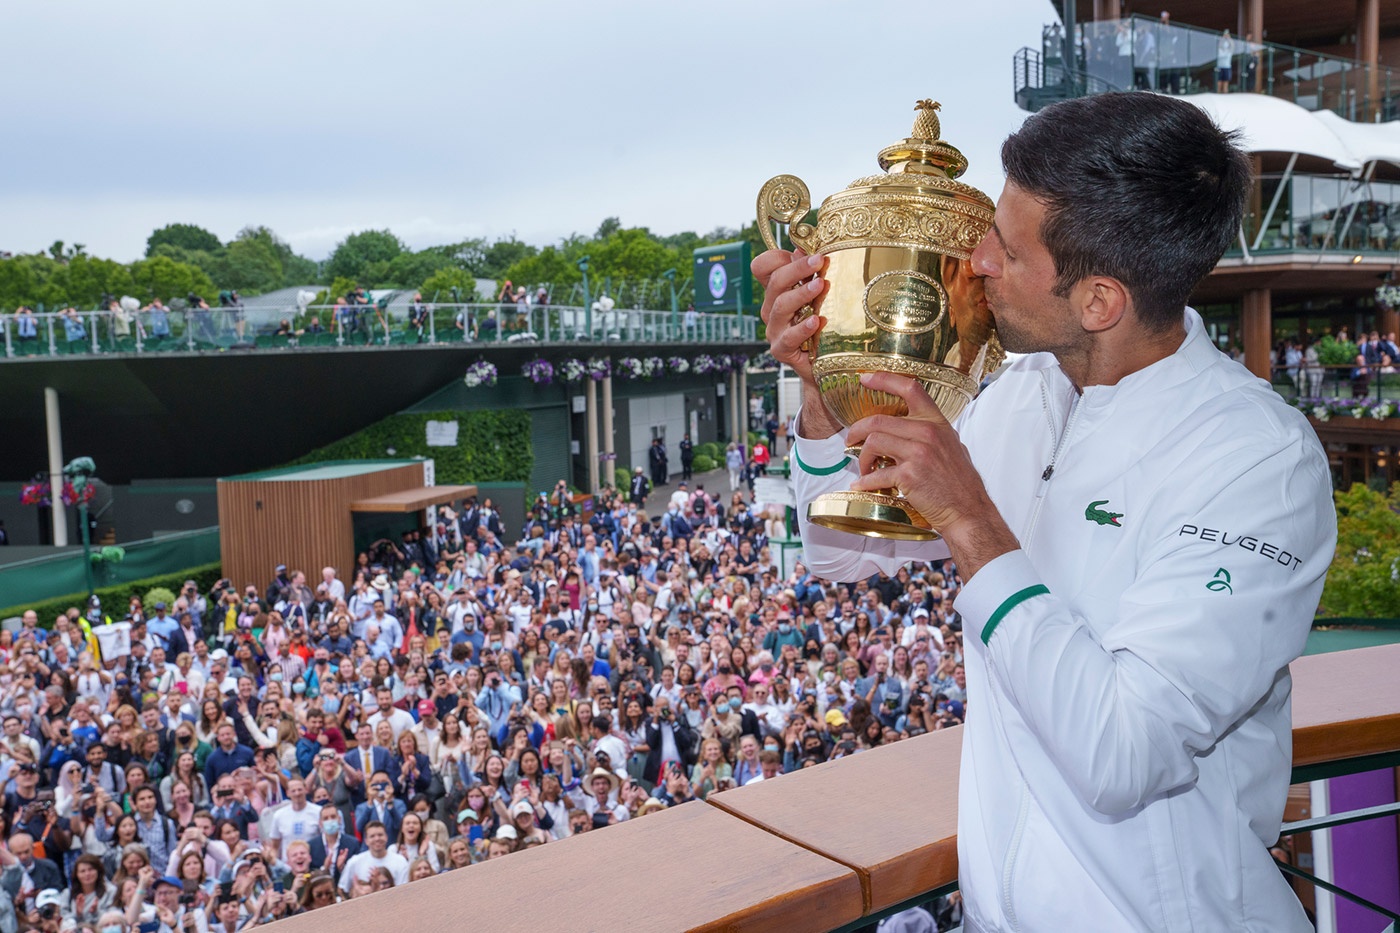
{"x": 923, "y": 152}
{"x": 915, "y": 202}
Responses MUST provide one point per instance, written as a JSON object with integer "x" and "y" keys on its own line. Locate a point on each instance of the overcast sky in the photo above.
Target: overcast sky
{"x": 445, "y": 120}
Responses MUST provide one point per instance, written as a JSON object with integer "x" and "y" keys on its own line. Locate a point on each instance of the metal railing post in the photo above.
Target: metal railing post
{"x": 432, "y": 326}
{"x": 9, "y": 348}
{"x": 96, "y": 348}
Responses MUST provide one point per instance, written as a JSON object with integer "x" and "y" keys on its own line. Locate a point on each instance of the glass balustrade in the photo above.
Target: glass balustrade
{"x": 1324, "y": 213}
{"x": 1142, "y": 53}
{"x": 83, "y": 333}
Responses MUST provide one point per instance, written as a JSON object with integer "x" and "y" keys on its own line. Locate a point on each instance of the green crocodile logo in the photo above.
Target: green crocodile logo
{"x": 1095, "y": 514}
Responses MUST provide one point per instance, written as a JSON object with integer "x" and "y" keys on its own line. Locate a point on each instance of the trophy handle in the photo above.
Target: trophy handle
{"x": 785, "y": 199}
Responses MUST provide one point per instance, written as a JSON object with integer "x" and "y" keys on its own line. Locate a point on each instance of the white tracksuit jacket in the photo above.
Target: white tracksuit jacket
{"x": 1128, "y": 741}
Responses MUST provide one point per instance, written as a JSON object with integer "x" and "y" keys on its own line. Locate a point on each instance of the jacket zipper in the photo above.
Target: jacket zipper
{"x": 1013, "y": 849}
{"x": 1007, "y": 906}
{"x": 1049, "y": 471}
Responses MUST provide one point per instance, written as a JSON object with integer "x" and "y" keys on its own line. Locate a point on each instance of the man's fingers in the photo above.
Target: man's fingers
{"x": 799, "y": 268}
{"x": 875, "y": 424}
{"x": 784, "y": 306}
{"x": 921, "y": 404}
{"x": 768, "y": 262}
{"x": 881, "y": 445}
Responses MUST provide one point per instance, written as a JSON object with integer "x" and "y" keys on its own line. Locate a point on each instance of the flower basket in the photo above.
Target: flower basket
{"x": 480, "y": 373}
{"x": 540, "y": 371}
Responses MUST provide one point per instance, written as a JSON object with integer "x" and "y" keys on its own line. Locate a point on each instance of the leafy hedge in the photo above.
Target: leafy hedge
{"x": 204, "y": 576}
{"x": 1361, "y": 581}
{"x": 492, "y": 446}
{"x": 622, "y": 479}
{"x": 702, "y": 463}
{"x": 1334, "y": 352}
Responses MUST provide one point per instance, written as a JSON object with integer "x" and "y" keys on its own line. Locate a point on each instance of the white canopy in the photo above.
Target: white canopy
{"x": 1368, "y": 142}
{"x": 1268, "y": 124}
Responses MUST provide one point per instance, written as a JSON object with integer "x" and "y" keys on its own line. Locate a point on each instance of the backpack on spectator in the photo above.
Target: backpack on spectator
{"x": 679, "y": 527}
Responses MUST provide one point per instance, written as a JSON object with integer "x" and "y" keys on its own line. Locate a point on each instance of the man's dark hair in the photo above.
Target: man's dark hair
{"x": 1140, "y": 187}
{"x": 602, "y": 724}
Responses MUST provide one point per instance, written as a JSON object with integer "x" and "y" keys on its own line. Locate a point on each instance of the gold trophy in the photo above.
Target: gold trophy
{"x": 901, "y": 298}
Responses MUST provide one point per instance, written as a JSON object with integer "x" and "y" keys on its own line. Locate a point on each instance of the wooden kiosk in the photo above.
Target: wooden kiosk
{"x": 314, "y": 516}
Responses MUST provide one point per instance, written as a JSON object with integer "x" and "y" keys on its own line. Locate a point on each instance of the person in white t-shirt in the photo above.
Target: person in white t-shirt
{"x": 334, "y": 588}
{"x": 297, "y": 820}
{"x": 359, "y": 866}
{"x": 398, "y": 719}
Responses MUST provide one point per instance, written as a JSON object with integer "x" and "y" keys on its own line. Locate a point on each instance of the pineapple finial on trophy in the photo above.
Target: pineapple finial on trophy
{"x": 926, "y": 123}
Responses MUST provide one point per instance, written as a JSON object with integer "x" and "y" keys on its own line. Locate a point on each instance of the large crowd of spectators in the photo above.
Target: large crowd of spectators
{"x": 464, "y": 692}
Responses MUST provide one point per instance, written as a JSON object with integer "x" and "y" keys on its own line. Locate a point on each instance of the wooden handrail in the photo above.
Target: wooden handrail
{"x": 1346, "y": 704}
{"x": 813, "y": 850}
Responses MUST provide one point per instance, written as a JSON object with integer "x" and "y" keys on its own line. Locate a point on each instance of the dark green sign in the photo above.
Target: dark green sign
{"x": 722, "y": 278}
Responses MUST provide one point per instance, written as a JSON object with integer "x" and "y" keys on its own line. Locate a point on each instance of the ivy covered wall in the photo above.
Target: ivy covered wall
{"x": 492, "y": 446}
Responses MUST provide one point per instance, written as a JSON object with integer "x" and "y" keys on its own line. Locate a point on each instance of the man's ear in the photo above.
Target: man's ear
{"x": 1101, "y": 301}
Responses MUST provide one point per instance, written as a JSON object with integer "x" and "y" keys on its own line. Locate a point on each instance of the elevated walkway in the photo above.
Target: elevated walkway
{"x": 816, "y": 850}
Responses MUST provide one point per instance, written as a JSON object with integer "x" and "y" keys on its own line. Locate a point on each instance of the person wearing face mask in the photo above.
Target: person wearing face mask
{"x": 724, "y": 721}
{"x": 784, "y": 633}
{"x": 470, "y": 633}
{"x": 723, "y": 679}
{"x": 332, "y": 847}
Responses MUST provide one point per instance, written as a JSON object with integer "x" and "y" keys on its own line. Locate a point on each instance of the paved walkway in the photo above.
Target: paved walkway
{"x": 716, "y": 482}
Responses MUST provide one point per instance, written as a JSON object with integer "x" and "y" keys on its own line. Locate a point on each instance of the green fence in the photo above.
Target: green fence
{"x": 43, "y": 578}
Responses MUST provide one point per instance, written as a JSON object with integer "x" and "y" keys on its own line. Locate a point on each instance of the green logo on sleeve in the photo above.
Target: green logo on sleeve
{"x": 1221, "y": 582}
{"x": 1094, "y": 514}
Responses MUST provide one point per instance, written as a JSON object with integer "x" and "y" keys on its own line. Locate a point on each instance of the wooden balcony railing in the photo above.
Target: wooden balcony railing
{"x": 815, "y": 850}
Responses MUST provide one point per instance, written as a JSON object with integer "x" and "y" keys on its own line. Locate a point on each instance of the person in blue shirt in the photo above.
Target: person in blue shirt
{"x": 498, "y": 696}
{"x": 227, "y": 755}
{"x": 380, "y": 805}
{"x": 161, "y": 626}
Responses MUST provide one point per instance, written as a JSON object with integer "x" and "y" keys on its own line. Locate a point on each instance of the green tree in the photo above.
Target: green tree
{"x": 631, "y": 255}
{"x": 406, "y": 269}
{"x": 1364, "y": 579}
{"x": 35, "y": 280}
{"x": 338, "y": 289}
{"x": 468, "y": 255}
{"x": 502, "y": 254}
{"x": 364, "y": 257}
{"x": 296, "y": 270}
{"x": 211, "y": 263}
{"x": 185, "y": 236}
{"x": 438, "y": 286}
{"x": 85, "y": 280}
{"x": 250, "y": 266}
{"x": 548, "y": 265}
{"x": 164, "y": 278}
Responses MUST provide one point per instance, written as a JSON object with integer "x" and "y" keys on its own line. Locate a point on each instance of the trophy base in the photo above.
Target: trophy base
{"x": 873, "y": 514}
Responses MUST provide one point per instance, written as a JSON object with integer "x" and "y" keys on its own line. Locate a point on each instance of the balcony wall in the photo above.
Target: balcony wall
{"x": 810, "y": 851}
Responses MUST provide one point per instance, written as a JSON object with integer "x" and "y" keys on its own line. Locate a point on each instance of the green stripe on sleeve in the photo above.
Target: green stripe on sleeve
{"x": 1011, "y": 602}
{"x": 820, "y": 471}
